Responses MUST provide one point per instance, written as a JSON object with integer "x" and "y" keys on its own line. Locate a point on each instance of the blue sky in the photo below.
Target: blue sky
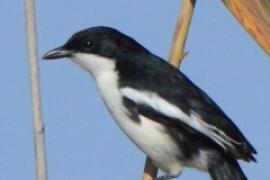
{"x": 82, "y": 141}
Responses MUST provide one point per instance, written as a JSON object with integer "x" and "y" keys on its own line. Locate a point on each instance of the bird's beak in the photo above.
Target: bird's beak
{"x": 57, "y": 53}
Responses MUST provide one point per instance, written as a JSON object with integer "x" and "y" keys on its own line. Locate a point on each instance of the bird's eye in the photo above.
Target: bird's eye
{"x": 87, "y": 45}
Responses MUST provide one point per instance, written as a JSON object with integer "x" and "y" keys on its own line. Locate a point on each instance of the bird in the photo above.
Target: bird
{"x": 174, "y": 122}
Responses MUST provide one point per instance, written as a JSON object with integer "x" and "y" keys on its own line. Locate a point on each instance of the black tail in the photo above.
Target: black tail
{"x": 228, "y": 170}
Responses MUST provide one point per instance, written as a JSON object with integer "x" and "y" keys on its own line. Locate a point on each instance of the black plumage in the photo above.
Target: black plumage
{"x": 139, "y": 69}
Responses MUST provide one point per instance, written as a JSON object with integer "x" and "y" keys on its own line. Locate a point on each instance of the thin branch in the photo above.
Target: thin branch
{"x": 150, "y": 171}
{"x": 181, "y": 31}
{"x": 38, "y": 128}
{"x": 176, "y": 55}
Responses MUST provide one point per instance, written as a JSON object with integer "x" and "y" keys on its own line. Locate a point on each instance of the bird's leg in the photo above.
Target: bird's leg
{"x": 167, "y": 176}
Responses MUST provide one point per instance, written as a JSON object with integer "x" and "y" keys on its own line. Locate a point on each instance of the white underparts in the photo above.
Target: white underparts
{"x": 148, "y": 135}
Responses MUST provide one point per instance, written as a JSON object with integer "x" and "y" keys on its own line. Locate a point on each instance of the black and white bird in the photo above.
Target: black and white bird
{"x": 170, "y": 119}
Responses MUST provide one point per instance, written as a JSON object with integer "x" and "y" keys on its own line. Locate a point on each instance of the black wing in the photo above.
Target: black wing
{"x": 172, "y": 86}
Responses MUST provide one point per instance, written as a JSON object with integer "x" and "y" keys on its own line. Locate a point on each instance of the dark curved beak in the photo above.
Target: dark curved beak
{"x": 57, "y": 53}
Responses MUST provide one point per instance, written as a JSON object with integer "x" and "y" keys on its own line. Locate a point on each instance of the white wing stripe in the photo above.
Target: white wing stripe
{"x": 170, "y": 110}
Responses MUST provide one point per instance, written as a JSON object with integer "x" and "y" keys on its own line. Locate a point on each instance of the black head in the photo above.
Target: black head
{"x": 102, "y": 41}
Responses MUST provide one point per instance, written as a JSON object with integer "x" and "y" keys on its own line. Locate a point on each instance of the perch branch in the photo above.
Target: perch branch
{"x": 176, "y": 55}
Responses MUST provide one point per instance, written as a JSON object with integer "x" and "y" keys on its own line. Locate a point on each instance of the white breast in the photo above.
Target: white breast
{"x": 148, "y": 135}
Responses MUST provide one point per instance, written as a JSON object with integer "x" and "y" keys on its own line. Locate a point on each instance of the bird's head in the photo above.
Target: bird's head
{"x": 97, "y": 48}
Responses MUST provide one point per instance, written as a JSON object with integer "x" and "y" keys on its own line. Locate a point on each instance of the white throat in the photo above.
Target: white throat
{"x": 104, "y": 73}
{"x": 94, "y": 64}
